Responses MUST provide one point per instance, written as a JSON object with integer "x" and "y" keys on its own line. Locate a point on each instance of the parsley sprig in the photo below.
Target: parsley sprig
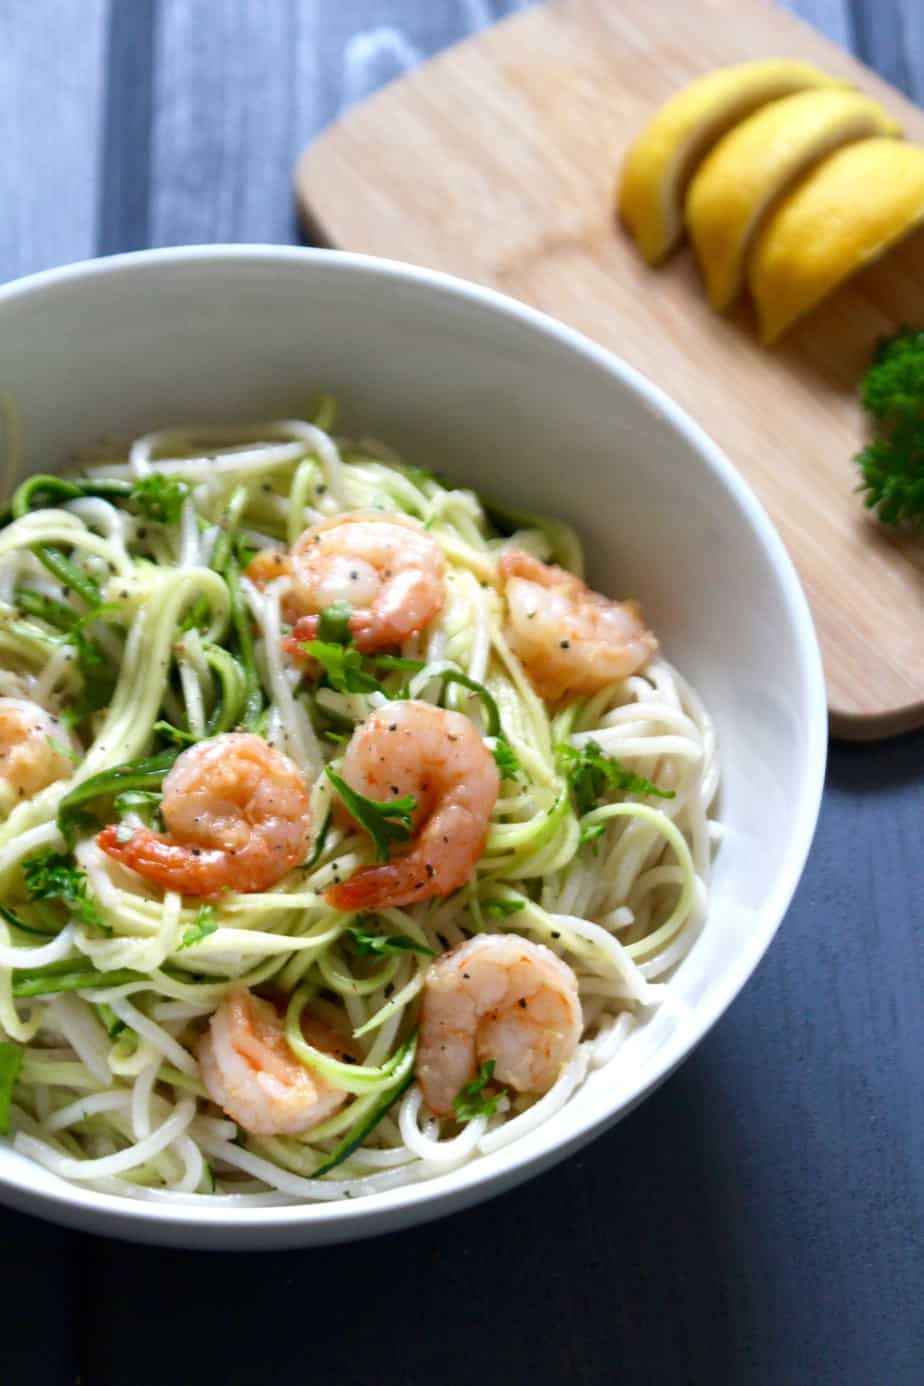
{"x": 53, "y": 876}
{"x": 592, "y": 775}
{"x": 506, "y": 759}
{"x": 158, "y": 497}
{"x": 386, "y": 822}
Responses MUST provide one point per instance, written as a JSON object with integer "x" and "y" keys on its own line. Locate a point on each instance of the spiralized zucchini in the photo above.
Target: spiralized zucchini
{"x": 125, "y": 609}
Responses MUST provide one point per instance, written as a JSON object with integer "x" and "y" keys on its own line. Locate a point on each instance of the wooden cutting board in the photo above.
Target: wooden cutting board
{"x": 497, "y": 161}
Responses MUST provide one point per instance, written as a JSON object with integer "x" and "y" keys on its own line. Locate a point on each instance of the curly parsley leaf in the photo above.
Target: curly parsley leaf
{"x": 470, "y": 1101}
{"x": 203, "y": 925}
{"x": 502, "y": 909}
{"x": 11, "y": 1057}
{"x": 343, "y": 665}
{"x": 52, "y": 876}
{"x": 385, "y": 823}
{"x": 159, "y": 497}
{"x": 334, "y": 623}
{"x": 505, "y": 758}
{"x": 592, "y": 774}
{"x": 379, "y": 945}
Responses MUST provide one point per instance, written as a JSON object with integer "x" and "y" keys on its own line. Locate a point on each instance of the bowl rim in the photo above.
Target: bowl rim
{"x": 342, "y": 1220}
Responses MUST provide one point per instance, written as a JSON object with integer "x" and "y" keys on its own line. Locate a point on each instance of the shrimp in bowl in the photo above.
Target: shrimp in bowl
{"x": 570, "y": 639}
{"x": 237, "y": 818}
{"x": 387, "y": 570}
{"x": 251, "y": 1073}
{"x": 34, "y": 750}
{"x": 497, "y": 997}
{"x": 439, "y": 758}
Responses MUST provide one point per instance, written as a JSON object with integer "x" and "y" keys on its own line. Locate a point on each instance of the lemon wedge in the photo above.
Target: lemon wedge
{"x": 659, "y": 163}
{"x": 845, "y": 212}
{"x": 753, "y": 164}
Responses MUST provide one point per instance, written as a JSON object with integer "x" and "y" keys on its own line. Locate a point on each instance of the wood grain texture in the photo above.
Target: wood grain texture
{"x": 496, "y": 162}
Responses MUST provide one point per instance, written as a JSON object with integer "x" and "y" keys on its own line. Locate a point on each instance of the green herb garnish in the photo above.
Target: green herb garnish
{"x": 470, "y": 1101}
{"x": 203, "y": 925}
{"x": 343, "y": 665}
{"x": 502, "y": 909}
{"x": 53, "y": 876}
{"x": 892, "y": 463}
{"x": 387, "y": 822}
{"x": 379, "y": 945}
{"x": 334, "y": 624}
{"x": 590, "y": 835}
{"x": 159, "y": 497}
{"x": 592, "y": 774}
{"x": 505, "y": 758}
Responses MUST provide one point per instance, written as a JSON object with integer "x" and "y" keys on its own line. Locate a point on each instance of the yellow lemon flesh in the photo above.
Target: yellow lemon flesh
{"x": 658, "y": 166}
{"x": 755, "y": 162}
{"x": 846, "y": 212}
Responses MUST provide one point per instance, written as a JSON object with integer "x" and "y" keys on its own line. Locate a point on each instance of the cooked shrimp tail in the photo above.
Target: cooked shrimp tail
{"x": 192, "y": 871}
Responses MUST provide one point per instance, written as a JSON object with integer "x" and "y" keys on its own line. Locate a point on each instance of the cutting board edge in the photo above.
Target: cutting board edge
{"x": 846, "y": 725}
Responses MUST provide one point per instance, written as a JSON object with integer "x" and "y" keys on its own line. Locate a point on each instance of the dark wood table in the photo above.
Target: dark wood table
{"x": 758, "y": 1221}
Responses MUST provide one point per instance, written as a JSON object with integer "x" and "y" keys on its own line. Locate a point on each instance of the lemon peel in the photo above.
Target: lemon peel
{"x": 659, "y": 163}
{"x": 750, "y": 167}
{"x": 844, "y": 213}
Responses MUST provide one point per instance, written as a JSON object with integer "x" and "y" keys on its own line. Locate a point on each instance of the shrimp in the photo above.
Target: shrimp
{"x": 498, "y": 997}
{"x": 33, "y": 749}
{"x": 388, "y": 570}
{"x": 439, "y": 757}
{"x": 570, "y": 638}
{"x": 237, "y": 818}
{"x": 251, "y": 1073}
{"x": 266, "y": 566}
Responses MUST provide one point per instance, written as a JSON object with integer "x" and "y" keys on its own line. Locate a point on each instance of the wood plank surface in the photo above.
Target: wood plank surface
{"x": 758, "y": 1222}
{"x": 497, "y": 162}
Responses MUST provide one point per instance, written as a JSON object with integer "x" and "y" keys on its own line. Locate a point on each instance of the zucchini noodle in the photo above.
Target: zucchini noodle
{"x": 128, "y": 615}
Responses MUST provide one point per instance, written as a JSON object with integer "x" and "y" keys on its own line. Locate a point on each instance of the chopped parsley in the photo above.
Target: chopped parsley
{"x": 505, "y": 758}
{"x": 158, "y": 497}
{"x": 470, "y": 1101}
{"x": 590, "y": 835}
{"x": 385, "y": 823}
{"x": 53, "y": 876}
{"x": 203, "y": 925}
{"x": 378, "y": 945}
{"x": 343, "y": 665}
{"x": 592, "y": 775}
{"x": 502, "y": 909}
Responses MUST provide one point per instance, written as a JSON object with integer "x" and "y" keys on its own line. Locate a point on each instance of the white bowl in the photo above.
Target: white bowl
{"x": 509, "y": 401}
